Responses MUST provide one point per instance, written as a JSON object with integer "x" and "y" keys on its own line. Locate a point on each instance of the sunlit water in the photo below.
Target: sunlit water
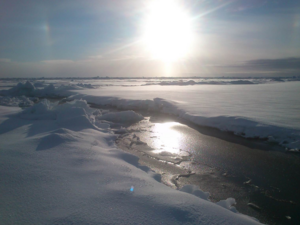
{"x": 239, "y": 159}
{"x": 166, "y": 139}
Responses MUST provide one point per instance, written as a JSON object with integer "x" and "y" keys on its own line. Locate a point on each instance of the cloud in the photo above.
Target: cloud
{"x": 61, "y": 61}
{"x": 242, "y": 5}
{"x": 289, "y": 66}
{"x": 292, "y": 63}
{"x": 83, "y": 68}
{"x": 4, "y": 60}
{"x": 96, "y": 57}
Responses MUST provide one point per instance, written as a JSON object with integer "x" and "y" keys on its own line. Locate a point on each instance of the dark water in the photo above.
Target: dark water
{"x": 230, "y": 166}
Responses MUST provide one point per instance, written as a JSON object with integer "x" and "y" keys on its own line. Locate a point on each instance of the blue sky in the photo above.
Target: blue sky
{"x": 102, "y": 38}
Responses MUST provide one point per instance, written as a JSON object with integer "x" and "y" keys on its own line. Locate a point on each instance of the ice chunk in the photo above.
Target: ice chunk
{"x": 228, "y": 204}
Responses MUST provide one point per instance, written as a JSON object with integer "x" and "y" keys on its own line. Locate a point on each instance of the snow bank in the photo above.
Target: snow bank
{"x": 121, "y": 117}
{"x": 68, "y": 171}
{"x": 240, "y": 126}
{"x": 40, "y": 111}
{"x": 71, "y": 114}
{"x": 244, "y": 127}
{"x": 228, "y": 112}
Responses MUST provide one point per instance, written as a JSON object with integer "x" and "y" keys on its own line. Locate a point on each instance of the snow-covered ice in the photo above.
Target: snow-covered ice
{"x": 21, "y": 101}
{"x": 269, "y": 110}
{"x": 121, "y": 117}
{"x": 58, "y": 167}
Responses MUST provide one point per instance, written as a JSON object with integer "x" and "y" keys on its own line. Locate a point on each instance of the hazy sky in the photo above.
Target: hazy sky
{"x": 104, "y": 38}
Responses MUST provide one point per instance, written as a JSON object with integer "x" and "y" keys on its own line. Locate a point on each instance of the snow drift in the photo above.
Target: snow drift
{"x": 58, "y": 167}
{"x": 240, "y": 126}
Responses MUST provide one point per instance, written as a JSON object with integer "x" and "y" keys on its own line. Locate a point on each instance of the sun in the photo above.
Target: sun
{"x": 168, "y": 33}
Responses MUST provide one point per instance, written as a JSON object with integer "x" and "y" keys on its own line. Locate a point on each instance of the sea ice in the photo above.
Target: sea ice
{"x": 267, "y": 111}
{"x": 57, "y": 167}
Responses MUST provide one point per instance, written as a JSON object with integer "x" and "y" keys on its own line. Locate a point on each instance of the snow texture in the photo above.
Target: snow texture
{"x": 21, "y": 101}
{"x": 122, "y": 117}
{"x": 57, "y": 167}
{"x": 227, "y": 110}
{"x": 269, "y": 111}
{"x": 228, "y": 204}
{"x": 30, "y": 90}
{"x": 194, "y": 190}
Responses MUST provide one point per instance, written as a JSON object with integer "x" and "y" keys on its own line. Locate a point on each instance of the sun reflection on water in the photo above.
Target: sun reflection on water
{"x": 168, "y": 139}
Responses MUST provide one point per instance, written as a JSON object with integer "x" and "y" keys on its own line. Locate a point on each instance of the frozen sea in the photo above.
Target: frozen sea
{"x": 60, "y": 163}
{"x": 253, "y": 108}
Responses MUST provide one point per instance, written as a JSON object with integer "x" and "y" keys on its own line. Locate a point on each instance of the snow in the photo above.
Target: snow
{"x": 228, "y": 204}
{"x": 58, "y": 167}
{"x": 21, "y": 101}
{"x": 192, "y": 82}
{"x": 268, "y": 111}
{"x": 122, "y": 117}
{"x": 29, "y": 89}
{"x": 4, "y": 111}
{"x": 40, "y": 111}
{"x": 194, "y": 190}
{"x": 85, "y": 85}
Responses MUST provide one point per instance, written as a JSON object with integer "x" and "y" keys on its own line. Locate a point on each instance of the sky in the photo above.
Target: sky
{"x": 207, "y": 38}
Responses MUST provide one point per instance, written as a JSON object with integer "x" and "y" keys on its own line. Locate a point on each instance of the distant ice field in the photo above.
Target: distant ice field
{"x": 275, "y": 104}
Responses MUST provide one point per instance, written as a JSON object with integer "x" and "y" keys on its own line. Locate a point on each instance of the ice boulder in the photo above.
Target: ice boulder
{"x": 20, "y": 89}
{"x": 228, "y": 204}
{"x": 50, "y": 89}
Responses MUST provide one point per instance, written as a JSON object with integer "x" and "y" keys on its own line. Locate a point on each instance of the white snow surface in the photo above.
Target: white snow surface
{"x": 121, "y": 117}
{"x": 269, "y": 111}
{"x": 58, "y": 167}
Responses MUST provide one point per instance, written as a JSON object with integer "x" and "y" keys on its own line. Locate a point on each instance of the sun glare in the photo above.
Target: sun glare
{"x": 167, "y": 31}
